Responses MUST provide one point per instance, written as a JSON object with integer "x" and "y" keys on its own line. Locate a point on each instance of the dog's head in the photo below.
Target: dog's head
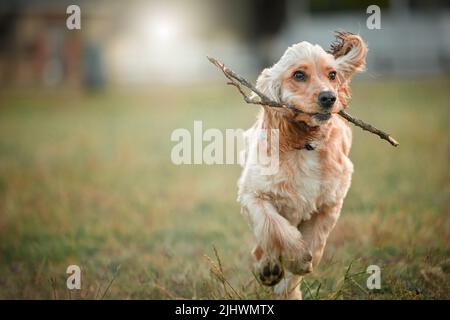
{"x": 313, "y": 80}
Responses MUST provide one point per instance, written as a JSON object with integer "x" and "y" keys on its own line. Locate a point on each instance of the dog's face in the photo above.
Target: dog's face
{"x": 314, "y": 80}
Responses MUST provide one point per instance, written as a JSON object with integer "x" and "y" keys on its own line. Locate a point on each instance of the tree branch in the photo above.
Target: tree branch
{"x": 366, "y": 126}
{"x": 261, "y": 99}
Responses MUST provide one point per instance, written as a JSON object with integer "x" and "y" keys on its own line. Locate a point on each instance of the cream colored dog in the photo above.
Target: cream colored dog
{"x": 293, "y": 210}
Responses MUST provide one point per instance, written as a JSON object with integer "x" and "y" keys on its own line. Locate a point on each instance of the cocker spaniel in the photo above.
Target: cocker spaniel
{"x": 293, "y": 210}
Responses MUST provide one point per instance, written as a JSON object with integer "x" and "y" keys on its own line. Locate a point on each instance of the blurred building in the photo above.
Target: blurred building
{"x": 144, "y": 42}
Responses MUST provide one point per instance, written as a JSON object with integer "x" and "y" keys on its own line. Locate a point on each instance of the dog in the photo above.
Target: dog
{"x": 293, "y": 210}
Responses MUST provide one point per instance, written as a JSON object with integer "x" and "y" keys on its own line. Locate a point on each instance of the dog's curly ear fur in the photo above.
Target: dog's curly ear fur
{"x": 268, "y": 84}
{"x": 350, "y": 52}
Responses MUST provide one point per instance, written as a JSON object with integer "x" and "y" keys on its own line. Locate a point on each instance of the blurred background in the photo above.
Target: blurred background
{"x": 144, "y": 42}
{"x": 85, "y": 123}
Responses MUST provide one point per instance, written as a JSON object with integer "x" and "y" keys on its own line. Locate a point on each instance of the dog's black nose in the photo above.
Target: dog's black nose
{"x": 326, "y": 99}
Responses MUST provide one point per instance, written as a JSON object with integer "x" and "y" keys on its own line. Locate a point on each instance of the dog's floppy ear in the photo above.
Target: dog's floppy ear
{"x": 350, "y": 52}
{"x": 269, "y": 84}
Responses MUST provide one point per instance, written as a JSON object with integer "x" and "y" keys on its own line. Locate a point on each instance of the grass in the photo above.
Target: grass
{"x": 87, "y": 180}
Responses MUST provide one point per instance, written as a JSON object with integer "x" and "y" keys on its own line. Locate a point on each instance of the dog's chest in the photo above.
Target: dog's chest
{"x": 298, "y": 187}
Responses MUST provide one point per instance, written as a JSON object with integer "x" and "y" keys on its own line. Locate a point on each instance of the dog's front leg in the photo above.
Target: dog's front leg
{"x": 316, "y": 230}
{"x": 278, "y": 242}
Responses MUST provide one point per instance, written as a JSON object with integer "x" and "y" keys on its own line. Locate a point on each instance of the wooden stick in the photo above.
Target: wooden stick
{"x": 239, "y": 82}
{"x": 365, "y": 126}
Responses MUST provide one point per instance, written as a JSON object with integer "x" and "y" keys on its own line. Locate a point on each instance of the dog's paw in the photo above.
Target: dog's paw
{"x": 269, "y": 271}
{"x": 299, "y": 264}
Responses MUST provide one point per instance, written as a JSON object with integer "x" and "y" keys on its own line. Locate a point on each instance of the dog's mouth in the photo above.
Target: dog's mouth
{"x": 322, "y": 116}
{"x": 314, "y": 120}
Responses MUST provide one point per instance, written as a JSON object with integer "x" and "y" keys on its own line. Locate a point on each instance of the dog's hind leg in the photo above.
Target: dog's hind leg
{"x": 289, "y": 287}
{"x": 316, "y": 230}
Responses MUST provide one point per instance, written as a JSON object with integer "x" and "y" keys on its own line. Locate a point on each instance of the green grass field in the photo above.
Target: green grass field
{"x": 87, "y": 180}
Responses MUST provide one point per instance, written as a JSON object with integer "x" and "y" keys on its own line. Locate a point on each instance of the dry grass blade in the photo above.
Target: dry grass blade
{"x": 53, "y": 284}
{"x": 167, "y": 292}
{"x": 217, "y": 271}
{"x": 341, "y": 288}
{"x": 308, "y": 288}
{"x": 110, "y": 283}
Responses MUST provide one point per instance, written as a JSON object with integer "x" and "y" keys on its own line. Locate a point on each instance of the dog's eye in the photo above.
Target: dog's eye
{"x": 332, "y": 75}
{"x": 299, "y": 76}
